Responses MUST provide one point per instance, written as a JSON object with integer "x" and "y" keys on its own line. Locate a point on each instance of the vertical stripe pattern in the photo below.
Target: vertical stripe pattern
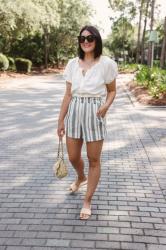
{"x": 81, "y": 120}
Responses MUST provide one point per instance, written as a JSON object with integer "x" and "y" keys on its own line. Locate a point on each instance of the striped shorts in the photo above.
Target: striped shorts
{"x": 81, "y": 121}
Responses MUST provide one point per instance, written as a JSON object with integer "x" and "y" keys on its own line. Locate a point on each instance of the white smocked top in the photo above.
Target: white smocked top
{"x": 95, "y": 78}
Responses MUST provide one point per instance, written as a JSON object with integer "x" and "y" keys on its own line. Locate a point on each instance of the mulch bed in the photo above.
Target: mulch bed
{"x": 141, "y": 94}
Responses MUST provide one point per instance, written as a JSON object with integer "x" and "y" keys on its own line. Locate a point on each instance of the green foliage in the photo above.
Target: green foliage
{"x": 121, "y": 38}
{"x": 4, "y": 62}
{"x": 107, "y": 52}
{"x": 11, "y": 63}
{"x": 160, "y": 30}
{"x": 20, "y": 19}
{"x": 143, "y": 76}
{"x": 32, "y": 15}
{"x": 31, "y": 47}
{"x": 156, "y": 63}
{"x": 126, "y": 6}
{"x": 23, "y": 65}
{"x": 128, "y": 68}
{"x": 154, "y": 79}
{"x": 125, "y": 38}
{"x": 73, "y": 15}
{"x": 36, "y": 28}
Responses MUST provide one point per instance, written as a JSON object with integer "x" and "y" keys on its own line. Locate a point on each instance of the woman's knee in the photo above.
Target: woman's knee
{"x": 74, "y": 159}
{"x": 93, "y": 161}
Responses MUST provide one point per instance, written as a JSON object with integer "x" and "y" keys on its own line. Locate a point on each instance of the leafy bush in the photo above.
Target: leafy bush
{"x": 128, "y": 68}
{"x": 11, "y": 63}
{"x": 156, "y": 63}
{"x": 31, "y": 47}
{"x": 143, "y": 76}
{"x": 154, "y": 79}
{"x": 23, "y": 65}
{"x": 4, "y": 63}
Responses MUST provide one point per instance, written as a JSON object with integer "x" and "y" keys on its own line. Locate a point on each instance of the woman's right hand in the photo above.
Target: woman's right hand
{"x": 61, "y": 129}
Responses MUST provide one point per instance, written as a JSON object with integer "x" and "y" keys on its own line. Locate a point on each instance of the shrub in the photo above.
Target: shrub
{"x": 154, "y": 79}
{"x": 11, "y": 63}
{"x": 156, "y": 63}
{"x": 4, "y": 63}
{"x": 31, "y": 47}
{"x": 128, "y": 68}
{"x": 23, "y": 65}
{"x": 154, "y": 91}
{"x": 143, "y": 76}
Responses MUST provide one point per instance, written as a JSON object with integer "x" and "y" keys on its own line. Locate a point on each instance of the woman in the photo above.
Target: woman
{"x": 90, "y": 91}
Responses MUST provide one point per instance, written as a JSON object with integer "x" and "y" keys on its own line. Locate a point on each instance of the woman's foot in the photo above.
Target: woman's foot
{"x": 77, "y": 184}
{"x": 85, "y": 211}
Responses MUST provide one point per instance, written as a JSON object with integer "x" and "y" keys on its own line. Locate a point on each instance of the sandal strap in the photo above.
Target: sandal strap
{"x": 74, "y": 187}
{"x": 86, "y": 211}
{"x": 83, "y": 183}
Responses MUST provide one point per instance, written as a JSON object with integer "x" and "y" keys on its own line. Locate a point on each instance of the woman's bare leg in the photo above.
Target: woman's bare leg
{"x": 93, "y": 153}
{"x": 74, "y": 147}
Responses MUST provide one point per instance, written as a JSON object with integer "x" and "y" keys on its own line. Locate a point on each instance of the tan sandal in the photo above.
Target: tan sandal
{"x": 73, "y": 187}
{"x": 85, "y": 211}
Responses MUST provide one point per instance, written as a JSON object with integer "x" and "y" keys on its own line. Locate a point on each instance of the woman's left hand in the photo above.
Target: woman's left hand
{"x": 102, "y": 110}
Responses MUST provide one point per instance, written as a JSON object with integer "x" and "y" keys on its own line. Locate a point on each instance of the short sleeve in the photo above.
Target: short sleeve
{"x": 67, "y": 74}
{"x": 111, "y": 71}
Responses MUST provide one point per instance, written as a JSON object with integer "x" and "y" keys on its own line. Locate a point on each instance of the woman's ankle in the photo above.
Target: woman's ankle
{"x": 88, "y": 200}
{"x": 87, "y": 204}
{"x": 82, "y": 178}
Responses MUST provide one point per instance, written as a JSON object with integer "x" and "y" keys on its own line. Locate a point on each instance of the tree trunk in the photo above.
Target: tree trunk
{"x": 139, "y": 32}
{"x": 163, "y": 51}
{"x": 144, "y": 30}
{"x": 124, "y": 32}
{"x": 46, "y": 47}
{"x": 151, "y": 28}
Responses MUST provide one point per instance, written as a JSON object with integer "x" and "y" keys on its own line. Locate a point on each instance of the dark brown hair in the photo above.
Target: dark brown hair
{"x": 98, "y": 47}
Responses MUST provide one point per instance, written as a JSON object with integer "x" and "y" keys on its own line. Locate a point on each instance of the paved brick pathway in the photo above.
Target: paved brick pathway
{"x": 36, "y": 211}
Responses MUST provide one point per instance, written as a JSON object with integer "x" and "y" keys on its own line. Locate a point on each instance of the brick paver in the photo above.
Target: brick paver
{"x": 36, "y": 210}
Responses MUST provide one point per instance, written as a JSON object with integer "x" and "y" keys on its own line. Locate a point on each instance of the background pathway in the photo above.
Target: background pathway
{"x": 36, "y": 211}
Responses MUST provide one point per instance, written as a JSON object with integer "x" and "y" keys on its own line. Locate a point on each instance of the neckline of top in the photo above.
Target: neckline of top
{"x": 99, "y": 60}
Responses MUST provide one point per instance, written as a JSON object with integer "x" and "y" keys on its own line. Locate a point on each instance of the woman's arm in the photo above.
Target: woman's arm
{"x": 64, "y": 109}
{"x": 111, "y": 93}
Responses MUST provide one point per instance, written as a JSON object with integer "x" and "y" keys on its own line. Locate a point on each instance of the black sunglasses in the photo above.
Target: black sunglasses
{"x": 89, "y": 38}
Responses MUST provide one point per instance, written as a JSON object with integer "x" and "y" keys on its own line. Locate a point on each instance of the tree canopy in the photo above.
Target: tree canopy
{"x": 47, "y": 28}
